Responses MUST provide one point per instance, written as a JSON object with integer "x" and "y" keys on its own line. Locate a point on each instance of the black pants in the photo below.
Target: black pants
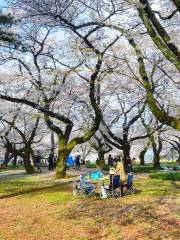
{"x": 77, "y": 166}
{"x": 51, "y": 167}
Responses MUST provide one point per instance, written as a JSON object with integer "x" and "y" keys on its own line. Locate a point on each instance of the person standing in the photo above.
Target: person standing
{"x": 110, "y": 160}
{"x": 77, "y": 161}
{"x": 119, "y": 171}
{"x": 51, "y": 162}
{"x": 55, "y": 161}
{"x": 38, "y": 164}
{"x": 129, "y": 164}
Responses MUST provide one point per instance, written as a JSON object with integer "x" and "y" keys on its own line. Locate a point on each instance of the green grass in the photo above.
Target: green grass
{"x": 40, "y": 207}
{"x": 144, "y": 169}
{"x": 175, "y": 176}
{"x": 148, "y": 168}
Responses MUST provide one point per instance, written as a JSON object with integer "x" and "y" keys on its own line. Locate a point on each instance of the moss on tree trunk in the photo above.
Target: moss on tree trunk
{"x": 27, "y": 160}
{"x": 156, "y": 160}
{"x": 27, "y": 163}
{"x": 63, "y": 152}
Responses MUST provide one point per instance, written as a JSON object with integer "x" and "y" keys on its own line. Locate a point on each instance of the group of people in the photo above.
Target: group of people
{"x": 52, "y": 160}
{"x": 117, "y": 171}
{"x": 112, "y": 161}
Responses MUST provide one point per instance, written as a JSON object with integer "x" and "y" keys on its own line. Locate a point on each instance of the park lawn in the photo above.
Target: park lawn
{"x": 175, "y": 176}
{"x": 148, "y": 168}
{"x": 39, "y": 207}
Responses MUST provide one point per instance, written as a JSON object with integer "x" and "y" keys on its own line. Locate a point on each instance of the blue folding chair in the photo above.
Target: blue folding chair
{"x": 83, "y": 188}
{"x": 129, "y": 185}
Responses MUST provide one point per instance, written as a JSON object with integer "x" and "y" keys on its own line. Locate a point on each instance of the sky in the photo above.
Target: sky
{"x": 2, "y": 4}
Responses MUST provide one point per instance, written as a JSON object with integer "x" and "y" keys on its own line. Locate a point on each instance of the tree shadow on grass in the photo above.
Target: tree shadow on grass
{"x": 58, "y": 187}
{"x": 175, "y": 185}
{"x": 15, "y": 175}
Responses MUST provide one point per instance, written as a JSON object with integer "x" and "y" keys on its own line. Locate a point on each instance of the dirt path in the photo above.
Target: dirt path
{"x": 11, "y": 174}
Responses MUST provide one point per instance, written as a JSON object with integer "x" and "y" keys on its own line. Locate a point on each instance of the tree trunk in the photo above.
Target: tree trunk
{"x": 178, "y": 160}
{"x": 101, "y": 158}
{"x": 33, "y": 156}
{"x": 141, "y": 156}
{"x": 52, "y": 143}
{"x": 27, "y": 162}
{"x": 156, "y": 159}
{"x": 156, "y": 150}
{"x": 126, "y": 153}
{"x": 142, "y": 153}
{"x": 7, "y": 158}
{"x": 63, "y": 152}
{"x": 15, "y": 160}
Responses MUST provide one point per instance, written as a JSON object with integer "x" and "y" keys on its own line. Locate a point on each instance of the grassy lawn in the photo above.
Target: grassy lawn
{"x": 39, "y": 207}
{"x": 166, "y": 176}
{"x": 148, "y": 168}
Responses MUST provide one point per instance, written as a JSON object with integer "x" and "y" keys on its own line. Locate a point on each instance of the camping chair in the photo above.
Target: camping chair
{"x": 113, "y": 190}
{"x": 129, "y": 185}
{"x": 83, "y": 188}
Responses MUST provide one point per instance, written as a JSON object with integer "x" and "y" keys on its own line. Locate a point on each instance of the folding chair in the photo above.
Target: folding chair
{"x": 83, "y": 188}
{"x": 113, "y": 190}
{"x": 129, "y": 185}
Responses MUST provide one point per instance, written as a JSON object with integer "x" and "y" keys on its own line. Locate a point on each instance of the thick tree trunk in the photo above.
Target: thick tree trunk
{"x": 33, "y": 156}
{"x": 63, "y": 153}
{"x": 156, "y": 150}
{"x": 101, "y": 159}
{"x": 142, "y": 154}
{"x": 7, "y": 157}
{"x": 156, "y": 159}
{"x": 15, "y": 160}
{"x": 27, "y": 162}
{"x": 178, "y": 160}
{"x": 126, "y": 153}
{"x": 52, "y": 143}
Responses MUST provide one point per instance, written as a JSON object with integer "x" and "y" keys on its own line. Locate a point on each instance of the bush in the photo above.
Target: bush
{"x": 105, "y": 168}
{"x": 91, "y": 165}
{"x": 175, "y": 176}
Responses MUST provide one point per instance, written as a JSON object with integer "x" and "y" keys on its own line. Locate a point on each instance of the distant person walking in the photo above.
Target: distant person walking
{"x": 51, "y": 162}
